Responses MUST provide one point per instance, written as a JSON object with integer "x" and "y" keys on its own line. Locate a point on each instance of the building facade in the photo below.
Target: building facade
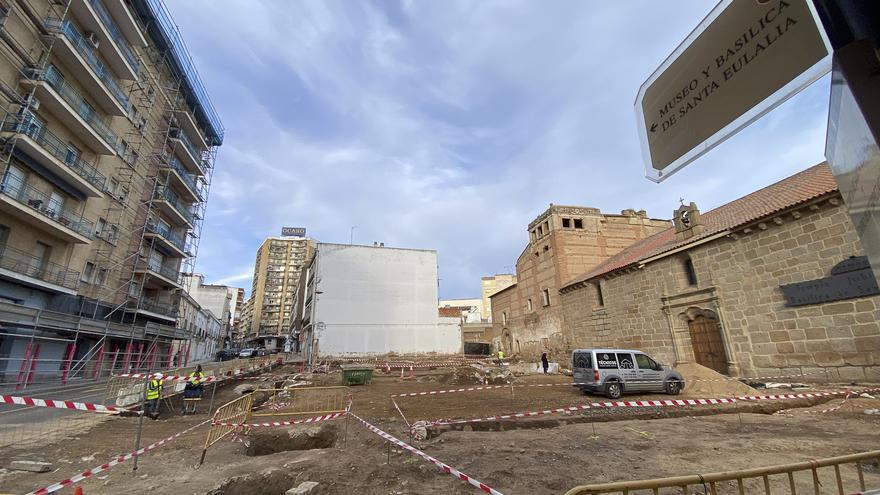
{"x": 773, "y": 283}
{"x": 204, "y": 333}
{"x": 373, "y": 300}
{"x": 109, "y": 141}
{"x": 218, "y": 299}
{"x": 277, "y": 269}
{"x": 237, "y": 308}
{"x": 470, "y": 309}
{"x": 489, "y": 286}
{"x": 564, "y": 241}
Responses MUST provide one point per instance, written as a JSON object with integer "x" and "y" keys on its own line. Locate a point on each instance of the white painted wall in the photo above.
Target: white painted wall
{"x": 376, "y": 300}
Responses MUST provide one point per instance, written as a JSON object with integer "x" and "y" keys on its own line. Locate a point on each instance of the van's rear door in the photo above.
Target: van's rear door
{"x": 582, "y": 366}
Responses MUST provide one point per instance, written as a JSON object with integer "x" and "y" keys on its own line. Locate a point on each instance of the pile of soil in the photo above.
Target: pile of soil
{"x": 704, "y": 382}
{"x": 464, "y": 375}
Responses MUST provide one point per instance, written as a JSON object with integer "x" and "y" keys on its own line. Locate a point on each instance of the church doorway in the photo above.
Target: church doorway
{"x": 707, "y": 343}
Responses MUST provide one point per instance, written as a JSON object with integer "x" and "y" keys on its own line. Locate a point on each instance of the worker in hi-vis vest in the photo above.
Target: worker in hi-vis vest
{"x": 193, "y": 387}
{"x": 501, "y": 357}
{"x": 154, "y": 394}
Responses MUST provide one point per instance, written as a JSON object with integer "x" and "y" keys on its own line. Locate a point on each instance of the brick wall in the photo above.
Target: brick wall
{"x": 739, "y": 280}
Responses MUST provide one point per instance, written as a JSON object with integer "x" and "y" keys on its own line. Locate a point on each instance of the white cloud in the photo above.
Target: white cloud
{"x": 450, "y": 125}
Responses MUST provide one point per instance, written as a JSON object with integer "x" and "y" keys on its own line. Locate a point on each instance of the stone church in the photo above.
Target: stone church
{"x": 775, "y": 282}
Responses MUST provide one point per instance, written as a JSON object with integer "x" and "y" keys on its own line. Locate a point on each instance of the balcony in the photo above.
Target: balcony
{"x": 189, "y": 125}
{"x": 37, "y": 208}
{"x": 184, "y": 149}
{"x": 173, "y": 207}
{"x": 51, "y": 152}
{"x": 72, "y": 110}
{"x": 159, "y": 275}
{"x": 156, "y": 309}
{"x": 128, "y": 25}
{"x": 23, "y": 268}
{"x": 171, "y": 242}
{"x": 112, "y": 46}
{"x": 78, "y": 55}
{"x": 187, "y": 182}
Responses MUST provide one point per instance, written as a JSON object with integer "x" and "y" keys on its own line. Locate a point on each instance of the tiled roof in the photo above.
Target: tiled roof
{"x": 804, "y": 186}
{"x": 451, "y": 311}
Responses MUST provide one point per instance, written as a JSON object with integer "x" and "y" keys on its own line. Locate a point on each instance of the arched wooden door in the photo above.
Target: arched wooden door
{"x": 707, "y": 343}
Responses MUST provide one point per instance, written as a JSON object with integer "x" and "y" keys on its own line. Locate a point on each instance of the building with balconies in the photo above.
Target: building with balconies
{"x": 277, "y": 270}
{"x": 107, "y": 148}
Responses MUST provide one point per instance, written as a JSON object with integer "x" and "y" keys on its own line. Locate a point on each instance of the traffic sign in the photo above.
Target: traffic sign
{"x": 745, "y": 58}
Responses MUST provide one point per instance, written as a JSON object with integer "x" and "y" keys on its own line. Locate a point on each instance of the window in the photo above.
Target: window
{"x": 112, "y": 186}
{"x": 566, "y": 223}
{"x": 4, "y": 235}
{"x": 42, "y": 252}
{"x": 690, "y": 271}
{"x": 625, "y": 361}
{"x": 113, "y": 235}
{"x": 546, "y": 296}
{"x": 539, "y": 231}
{"x": 645, "y": 362}
{"x": 72, "y": 155}
{"x": 102, "y": 277}
{"x": 100, "y": 225}
{"x": 546, "y": 227}
{"x": 88, "y": 273}
{"x": 600, "y": 298}
{"x": 530, "y": 304}
{"x": 504, "y": 317}
{"x": 578, "y": 223}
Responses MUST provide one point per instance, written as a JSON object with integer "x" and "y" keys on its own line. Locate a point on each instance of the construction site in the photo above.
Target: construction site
{"x": 456, "y": 427}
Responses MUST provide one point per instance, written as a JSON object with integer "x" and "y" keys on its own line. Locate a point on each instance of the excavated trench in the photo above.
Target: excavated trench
{"x": 600, "y": 415}
{"x": 274, "y": 440}
{"x": 274, "y": 482}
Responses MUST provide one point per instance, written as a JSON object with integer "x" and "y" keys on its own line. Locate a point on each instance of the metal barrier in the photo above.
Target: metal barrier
{"x": 233, "y": 412}
{"x": 297, "y": 401}
{"x": 750, "y": 481}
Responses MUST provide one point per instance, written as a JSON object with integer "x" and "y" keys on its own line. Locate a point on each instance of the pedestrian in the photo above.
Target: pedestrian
{"x": 154, "y": 395}
{"x": 544, "y": 362}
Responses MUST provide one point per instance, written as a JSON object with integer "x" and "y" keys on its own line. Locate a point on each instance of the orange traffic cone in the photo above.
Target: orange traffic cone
{"x": 78, "y": 491}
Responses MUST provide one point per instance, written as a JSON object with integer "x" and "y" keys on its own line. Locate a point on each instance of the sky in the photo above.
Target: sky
{"x": 450, "y": 125}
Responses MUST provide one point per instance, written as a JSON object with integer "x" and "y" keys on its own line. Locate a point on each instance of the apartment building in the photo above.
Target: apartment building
{"x": 108, "y": 146}
{"x": 277, "y": 270}
{"x": 204, "y": 332}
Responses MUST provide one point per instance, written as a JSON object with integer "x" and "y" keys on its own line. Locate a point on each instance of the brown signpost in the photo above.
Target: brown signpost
{"x": 745, "y": 58}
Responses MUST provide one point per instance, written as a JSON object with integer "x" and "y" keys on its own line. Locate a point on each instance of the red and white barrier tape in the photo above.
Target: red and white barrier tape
{"x": 443, "y": 466}
{"x": 59, "y": 404}
{"x": 316, "y": 419}
{"x": 789, "y": 412}
{"x": 116, "y": 461}
{"x": 575, "y": 384}
{"x": 644, "y": 403}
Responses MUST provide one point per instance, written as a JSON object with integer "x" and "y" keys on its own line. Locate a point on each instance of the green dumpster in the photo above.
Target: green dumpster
{"x": 356, "y": 374}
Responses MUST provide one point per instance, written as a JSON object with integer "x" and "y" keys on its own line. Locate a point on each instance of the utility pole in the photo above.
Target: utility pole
{"x": 351, "y": 237}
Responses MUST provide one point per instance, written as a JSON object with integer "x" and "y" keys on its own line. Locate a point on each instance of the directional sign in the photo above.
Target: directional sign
{"x": 744, "y": 59}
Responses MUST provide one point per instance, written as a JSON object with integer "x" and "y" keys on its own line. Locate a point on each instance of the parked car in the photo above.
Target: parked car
{"x": 260, "y": 352}
{"x": 614, "y": 372}
{"x": 226, "y": 355}
{"x": 246, "y": 353}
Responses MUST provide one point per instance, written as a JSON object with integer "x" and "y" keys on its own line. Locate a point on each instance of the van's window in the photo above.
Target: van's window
{"x": 625, "y": 361}
{"x": 606, "y": 361}
{"x": 645, "y": 362}
{"x": 582, "y": 360}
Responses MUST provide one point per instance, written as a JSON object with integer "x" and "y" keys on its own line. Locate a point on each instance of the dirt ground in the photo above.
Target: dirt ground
{"x": 548, "y": 455}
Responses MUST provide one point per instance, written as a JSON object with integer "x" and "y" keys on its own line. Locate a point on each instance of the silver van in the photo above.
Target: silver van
{"x": 614, "y": 372}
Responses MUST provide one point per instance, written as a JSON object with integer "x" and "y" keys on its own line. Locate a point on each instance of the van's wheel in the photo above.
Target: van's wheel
{"x": 673, "y": 387}
{"x": 613, "y": 390}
